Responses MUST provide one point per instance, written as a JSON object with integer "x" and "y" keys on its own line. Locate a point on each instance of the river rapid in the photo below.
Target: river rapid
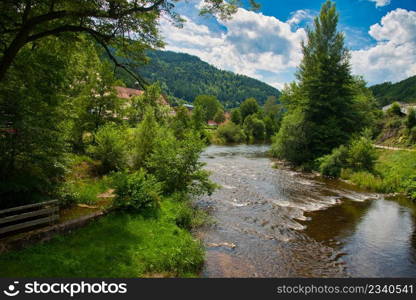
{"x": 270, "y": 222}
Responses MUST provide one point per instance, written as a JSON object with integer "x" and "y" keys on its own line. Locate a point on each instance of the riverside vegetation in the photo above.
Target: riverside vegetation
{"x": 66, "y": 135}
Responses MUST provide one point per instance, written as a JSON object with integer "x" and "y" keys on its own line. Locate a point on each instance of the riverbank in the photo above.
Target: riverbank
{"x": 394, "y": 172}
{"x": 117, "y": 245}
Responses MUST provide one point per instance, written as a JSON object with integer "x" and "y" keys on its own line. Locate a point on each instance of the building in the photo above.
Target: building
{"x": 128, "y": 93}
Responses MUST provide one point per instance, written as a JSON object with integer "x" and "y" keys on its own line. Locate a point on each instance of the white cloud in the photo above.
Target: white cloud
{"x": 251, "y": 43}
{"x": 380, "y": 3}
{"x": 393, "y": 58}
{"x": 268, "y": 49}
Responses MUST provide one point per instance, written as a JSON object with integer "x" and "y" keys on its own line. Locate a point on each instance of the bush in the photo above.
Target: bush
{"x": 332, "y": 164}
{"x": 394, "y": 109}
{"x": 109, "y": 148}
{"x": 291, "y": 142}
{"x": 144, "y": 139}
{"x": 176, "y": 164}
{"x": 362, "y": 154}
{"x": 230, "y": 133}
{"x": 137, "y": 192}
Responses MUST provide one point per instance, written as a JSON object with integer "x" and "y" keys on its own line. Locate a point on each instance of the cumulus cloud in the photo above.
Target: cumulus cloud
{"x": 380, "y": 3}
{"x": 251, "y": 43}
{"x": 268, "y": 49}
{"x": 393, "y": 58}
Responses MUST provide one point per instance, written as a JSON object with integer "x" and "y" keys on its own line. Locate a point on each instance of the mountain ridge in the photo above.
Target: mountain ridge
{"x": 186, "y": 76}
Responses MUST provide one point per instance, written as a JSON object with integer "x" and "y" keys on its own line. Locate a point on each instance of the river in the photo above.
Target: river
{"x": 270, "y": 222}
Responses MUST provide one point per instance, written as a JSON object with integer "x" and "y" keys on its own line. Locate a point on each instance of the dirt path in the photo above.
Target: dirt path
{"x": 393, "y": 148}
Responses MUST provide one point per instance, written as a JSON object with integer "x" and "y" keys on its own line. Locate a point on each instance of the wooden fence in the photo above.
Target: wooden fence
{"x": 27, "y": 216}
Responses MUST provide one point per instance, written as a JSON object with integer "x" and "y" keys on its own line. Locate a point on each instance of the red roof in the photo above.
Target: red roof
{"x": 212, "y": 123}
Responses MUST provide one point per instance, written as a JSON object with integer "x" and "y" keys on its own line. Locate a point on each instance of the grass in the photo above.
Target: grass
{"x": 394, "y": 172}
{"x": 118, "y": 245}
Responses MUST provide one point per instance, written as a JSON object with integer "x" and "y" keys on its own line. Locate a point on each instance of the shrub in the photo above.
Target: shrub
{"x": 411, "y": 118}
{"x": 137, "y": 192}
{"x": 176, "y": 164}
{"x": 230, "y": 133}
{"x": 109, "y": 148}
{"x": 394, "y": 109}
{"x": 332, "y": 164}
{"x": 144, "y": 139}
{"x": 291, "y": 142}
{"x": 362, "y": 154}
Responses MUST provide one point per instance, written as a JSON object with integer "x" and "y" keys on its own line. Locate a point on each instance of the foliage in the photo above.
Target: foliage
{"x": 361, "y": 154}
{"x": 248, "y": 107}
{"x": 109, "y": 148}
{"x": 151, "y": 98}
{"x": 291, "y": 141}
{"x": 137, "y": 192}
{"x": 175, "y": 163}
{"x": 185, "y": 76}
{"x": 321, "y": 105}
{"x": 108, "y": 22}
{"x": 119, "y": 245}
{"x": 33, "y": 132}
{"x": 236, "y": 116}
{"x": 254, "y": 128}
{"x": 394, "y": 172}
{"x": 230, "y": 133}
{"x": 198, "y": 117}
{"x": 219, "y": 116}
{"x": 144, "y": 140}
{"x": 210, "y": 104}
{"x": 181, "y": 122}
{"x": 411, "y": 119}
{"x": 403, "y": 91}
{"x": 332, "y": 164}
{"x": 394, "y": 110}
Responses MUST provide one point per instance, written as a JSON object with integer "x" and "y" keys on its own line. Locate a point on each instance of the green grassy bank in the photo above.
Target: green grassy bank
{"x": 117, "y": 245}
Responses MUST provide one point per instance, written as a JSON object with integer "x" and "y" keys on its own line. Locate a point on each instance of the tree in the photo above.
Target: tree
{"x": 411, "y": 118}
{"x": 210, "y": 104}
{"x": 109, "y": 148}
{"x": 181, "y": 122}
{"x": 236, "y": 116}
{"x": 109, "y": 22}
{"x": 145, "y": 138}
{"x": 254, "y": 128}
{"x": 248, "y": 107}
{"x": 323, "y": 97}
{"x": 198, "y": 117}
{"x": 219, "y": 116}
{"x": 271, "y": 106}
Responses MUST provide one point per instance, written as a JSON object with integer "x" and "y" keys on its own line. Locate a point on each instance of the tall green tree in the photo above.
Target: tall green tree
{"x": 210, "y": 104}
{"x": 248, "y": 107}
{"x": 323, "y": 97}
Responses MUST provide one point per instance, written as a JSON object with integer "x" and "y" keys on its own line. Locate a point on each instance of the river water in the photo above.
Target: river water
{"x": 270, "y": 222}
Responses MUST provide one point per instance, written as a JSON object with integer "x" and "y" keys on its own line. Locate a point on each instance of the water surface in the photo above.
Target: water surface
{"x": 279, "y": 223}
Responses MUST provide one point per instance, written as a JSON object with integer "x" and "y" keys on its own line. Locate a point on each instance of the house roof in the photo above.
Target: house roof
{"x": 127, "y": 93}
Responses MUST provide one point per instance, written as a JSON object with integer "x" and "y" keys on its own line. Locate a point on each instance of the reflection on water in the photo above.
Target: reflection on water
{"x": 286, "y": 224}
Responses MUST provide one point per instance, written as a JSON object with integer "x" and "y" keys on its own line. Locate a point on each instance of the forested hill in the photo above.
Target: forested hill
{"x": 403, "y": 91}
{"x": 186, "y": 76}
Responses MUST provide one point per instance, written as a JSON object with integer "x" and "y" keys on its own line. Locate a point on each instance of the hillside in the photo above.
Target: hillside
{"x": 403, "y": 91}
{"x": 186, "y": 76}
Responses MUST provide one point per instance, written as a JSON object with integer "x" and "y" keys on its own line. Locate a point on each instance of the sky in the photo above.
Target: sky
{"x": 266, "y": 44}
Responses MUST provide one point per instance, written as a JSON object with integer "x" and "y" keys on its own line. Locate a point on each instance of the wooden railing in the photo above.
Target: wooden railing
{"x": 27, "y": 216}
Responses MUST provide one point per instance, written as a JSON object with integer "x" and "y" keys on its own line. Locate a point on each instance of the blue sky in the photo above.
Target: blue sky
{"x": 381, "y": 35}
